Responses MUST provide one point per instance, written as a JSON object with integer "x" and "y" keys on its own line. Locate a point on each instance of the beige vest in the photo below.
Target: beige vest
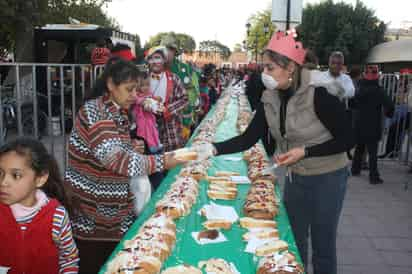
{"x": 302, "y": 128}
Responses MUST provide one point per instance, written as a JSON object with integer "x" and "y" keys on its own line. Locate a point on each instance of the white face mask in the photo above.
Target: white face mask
{"x": 269, "y": 82}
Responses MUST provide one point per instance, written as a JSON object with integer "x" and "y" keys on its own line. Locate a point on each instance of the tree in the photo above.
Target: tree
{"x": 185, "y": 42}
{"x": 329, "y": 26}
{"x": 256, "y": 38}
{"x": 89, "y": 11}
{"x": 155, "y": 40}
{"x": 138, "y": 49}
{"x": 213, "y": 47}
{"x": 18, "y": 17}
{"x": 237, "y": 47}
{"x": 16, "y": 23}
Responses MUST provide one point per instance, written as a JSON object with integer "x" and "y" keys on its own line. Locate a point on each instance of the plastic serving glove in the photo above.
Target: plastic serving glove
{"x": 204, "y": 151}
{"x": 141, "y": 188}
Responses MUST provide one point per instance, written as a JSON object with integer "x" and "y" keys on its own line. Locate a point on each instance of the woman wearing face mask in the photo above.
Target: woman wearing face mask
{"x": 312, "y": 134}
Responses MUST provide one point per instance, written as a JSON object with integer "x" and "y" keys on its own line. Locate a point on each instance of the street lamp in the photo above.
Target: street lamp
{"x": 248, "y": 25}
{"x": 255, "y": 44}
{"x": 265, "y": 28}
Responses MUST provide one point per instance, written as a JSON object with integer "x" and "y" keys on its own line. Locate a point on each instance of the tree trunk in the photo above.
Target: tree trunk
{"x": 27, "y": 15}
{"x": 27, "y": 18}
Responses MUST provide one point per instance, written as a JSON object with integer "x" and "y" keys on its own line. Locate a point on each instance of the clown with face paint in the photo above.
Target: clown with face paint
{"x": 169, "y": 89}
{"x": 190, "y": 80}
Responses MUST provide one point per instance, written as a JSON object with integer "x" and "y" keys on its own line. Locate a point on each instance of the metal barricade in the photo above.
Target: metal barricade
{"x": 397, "y": 134}
{"x": 40, "y": 100}
{"x": 97, "y": 71}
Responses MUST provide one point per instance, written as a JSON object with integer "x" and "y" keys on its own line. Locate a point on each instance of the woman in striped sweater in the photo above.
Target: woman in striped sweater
{"x": 102, "y": 161}
{"x": 35, "y": 234}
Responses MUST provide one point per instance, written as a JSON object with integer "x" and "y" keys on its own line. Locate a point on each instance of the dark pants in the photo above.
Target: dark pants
{"x": 373, "y": 159}
{"x": 314, "y": 203}
{"x": 156, "y": 179}
{"x": 93, "y": 255}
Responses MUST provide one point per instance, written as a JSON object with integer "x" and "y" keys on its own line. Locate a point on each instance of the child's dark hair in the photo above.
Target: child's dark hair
{"x": 41, "y": 162}
{"x": 119, "y": 70}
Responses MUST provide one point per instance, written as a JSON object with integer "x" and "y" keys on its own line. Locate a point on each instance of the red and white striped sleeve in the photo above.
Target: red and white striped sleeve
{"x": 63, "y": 237}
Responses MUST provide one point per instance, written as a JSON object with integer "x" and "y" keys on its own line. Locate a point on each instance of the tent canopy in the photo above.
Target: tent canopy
{"x": 389, "y": 52}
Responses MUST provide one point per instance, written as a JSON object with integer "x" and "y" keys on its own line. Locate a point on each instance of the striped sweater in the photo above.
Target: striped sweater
{"x": 62, "y": 237}
{"x": 102, "y": 159}
{"x": 170, "y": 124}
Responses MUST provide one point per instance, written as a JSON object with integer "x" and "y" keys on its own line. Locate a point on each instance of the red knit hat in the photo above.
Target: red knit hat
{"x": 286, "y": 45}
{"x": 405, "y": 71}
{"x": 125, "y": 54}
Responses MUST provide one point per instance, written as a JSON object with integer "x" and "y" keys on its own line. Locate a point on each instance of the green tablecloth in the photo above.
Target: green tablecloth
{"x": 186, "y": 249}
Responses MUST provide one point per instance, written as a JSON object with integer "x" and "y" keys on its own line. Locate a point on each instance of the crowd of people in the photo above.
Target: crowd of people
{"x": 120, "y": 148}
{"x": 129, "y": 127}
{"x": 364, "y": 99}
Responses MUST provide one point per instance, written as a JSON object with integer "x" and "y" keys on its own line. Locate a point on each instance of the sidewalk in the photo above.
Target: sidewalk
{"x": 375, "y": 230}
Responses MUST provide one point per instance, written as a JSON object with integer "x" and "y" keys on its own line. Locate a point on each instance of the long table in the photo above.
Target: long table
{"x": 187, "y": 250}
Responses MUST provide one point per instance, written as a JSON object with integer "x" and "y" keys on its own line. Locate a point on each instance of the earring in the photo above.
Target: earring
{"x": 290, "y": 79}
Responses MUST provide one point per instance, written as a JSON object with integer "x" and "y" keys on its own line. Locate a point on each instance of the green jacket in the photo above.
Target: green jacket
{"x": 190, "y": 80}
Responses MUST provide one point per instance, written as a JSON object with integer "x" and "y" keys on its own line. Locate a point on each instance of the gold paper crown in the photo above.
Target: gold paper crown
{"x": 286, "y": 45}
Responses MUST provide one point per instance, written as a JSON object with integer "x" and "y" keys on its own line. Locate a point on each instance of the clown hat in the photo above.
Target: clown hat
{"x": 286, "y": 45}
{"x": 160, "y": 49}
{"x": 371, "y": 72}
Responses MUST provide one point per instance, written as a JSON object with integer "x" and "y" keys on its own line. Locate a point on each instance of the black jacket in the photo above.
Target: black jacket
{"x": 212, "y": 96}
{"x": 369, "y": 105}
{"x": 254, "y": 89}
